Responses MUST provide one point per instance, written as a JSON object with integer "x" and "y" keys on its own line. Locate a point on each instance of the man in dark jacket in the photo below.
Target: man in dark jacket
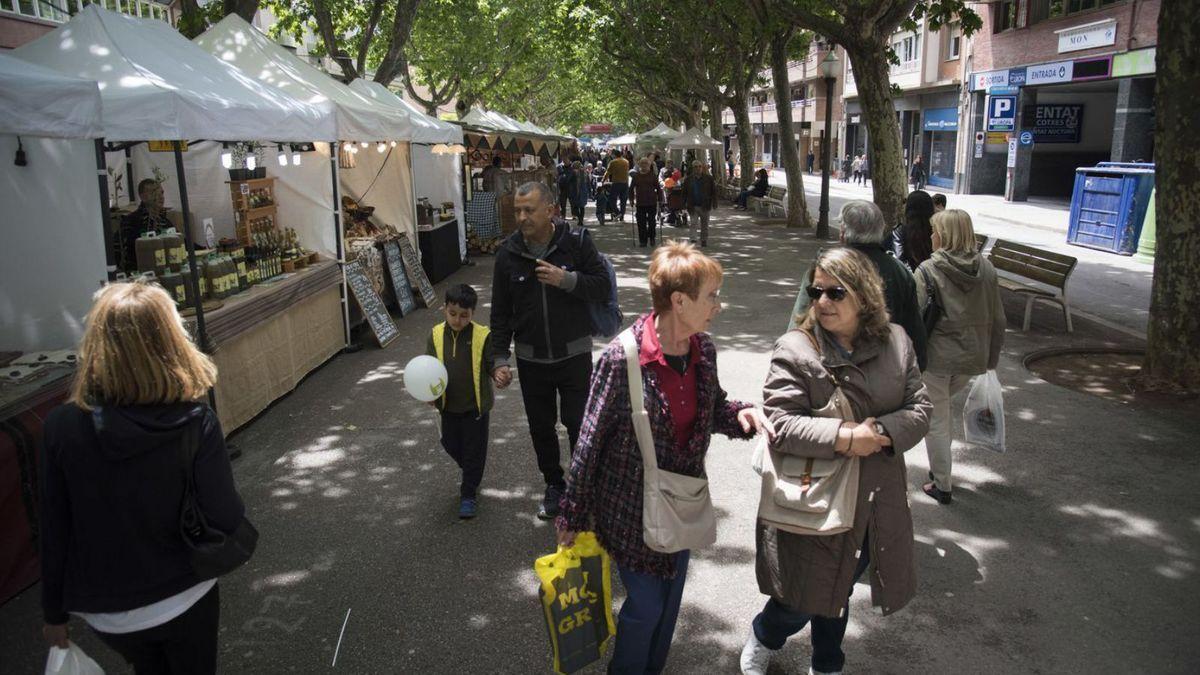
{"x": 544, "y": 278}
{"x": 863, "y": 228}
{"x": 700, "y": 196}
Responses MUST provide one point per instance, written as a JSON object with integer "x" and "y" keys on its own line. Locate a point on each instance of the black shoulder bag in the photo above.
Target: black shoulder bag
{"x": 212, "y": 552}
{"x": 931, "y": 312}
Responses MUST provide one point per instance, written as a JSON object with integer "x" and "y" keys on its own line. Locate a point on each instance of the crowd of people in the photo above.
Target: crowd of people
{"x": 860, "y": 376}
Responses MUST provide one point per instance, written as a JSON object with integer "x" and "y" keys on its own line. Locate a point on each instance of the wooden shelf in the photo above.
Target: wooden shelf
{"x": 258, "y": 211}
{"x": 252, "y": 181}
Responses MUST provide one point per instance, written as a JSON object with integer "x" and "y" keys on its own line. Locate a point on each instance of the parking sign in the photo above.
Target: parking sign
{"x": 1001, "y": 113}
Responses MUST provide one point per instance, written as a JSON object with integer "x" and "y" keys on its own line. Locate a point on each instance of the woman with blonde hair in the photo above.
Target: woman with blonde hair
{"x": 685, "y": 405}
{"x": 113, "y": 481}
{"x": 844, "y": 343}
{"x": 968, "y": 335}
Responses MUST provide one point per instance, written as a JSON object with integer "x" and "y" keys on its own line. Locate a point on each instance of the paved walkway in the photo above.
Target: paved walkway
{"x": 1111, "y": 288}
{"x": 1075, "y": 552}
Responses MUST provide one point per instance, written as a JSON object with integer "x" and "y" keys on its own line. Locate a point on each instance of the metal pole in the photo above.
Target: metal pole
{"x": 197, "y": 301}
{"x": 110, "y": 253}
{"x": 823, "y": 219}
{"x": 341, "y": 244}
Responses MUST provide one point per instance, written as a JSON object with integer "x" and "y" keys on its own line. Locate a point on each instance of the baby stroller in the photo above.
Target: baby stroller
{"x": 675, "y": 212}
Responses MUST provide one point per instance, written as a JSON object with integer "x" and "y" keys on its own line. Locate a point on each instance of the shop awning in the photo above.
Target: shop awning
{"x": 37, "y": 101}
{"x": 356, "y": 117}
{"x": 156, "y": 85}
{"x": 426, "y": 129}
{"x": 694, "y": 139}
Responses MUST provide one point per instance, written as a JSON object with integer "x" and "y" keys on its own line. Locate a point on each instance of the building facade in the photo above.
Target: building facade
{"x": 1071, "y": 82}
{"x": 23, "y": 21}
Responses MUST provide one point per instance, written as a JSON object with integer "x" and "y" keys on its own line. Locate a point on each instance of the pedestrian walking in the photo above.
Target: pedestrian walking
{"x": 866, "y": 169}
{"x": 580, "y": 192}
{"x": 967, "y": 338}
{"x": 845, "y": 343}
{"x": 917, "y": 174}
{"x": 116, "y": 463}
{"x": 617, "y": 174}
{"x": 465, "y": 349}
{"x": 729, "y": 163}
{"x": 566, "y": 187}
{"x": 865, "y": 230}
{"x": 543, "y": 280}
{"x": 602, "y": 202}
{"x": 846, "y": 168}
{"x": 812, "y": 160}
{"x": 647, "y": 193}
{"x": 700, "y": 197}
{"x": 913, "y": 239}
{"x": 856, "y": 167}
{"x": 685, "y": 405}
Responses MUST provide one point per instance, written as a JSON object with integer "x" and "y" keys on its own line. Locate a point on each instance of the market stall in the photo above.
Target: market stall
{"x": 695, "y": 140}
{"x": 157, "y": 87}
{"x": 437, "y": 183}
{"x": 47, "y": 121}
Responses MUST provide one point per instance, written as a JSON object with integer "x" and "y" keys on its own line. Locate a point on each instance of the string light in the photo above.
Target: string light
{"x": 283, "y": 159}
{"x": 381, "y": 147}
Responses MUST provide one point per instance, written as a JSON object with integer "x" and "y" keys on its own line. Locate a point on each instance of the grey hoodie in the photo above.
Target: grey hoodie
{"x": 968, "y": 337}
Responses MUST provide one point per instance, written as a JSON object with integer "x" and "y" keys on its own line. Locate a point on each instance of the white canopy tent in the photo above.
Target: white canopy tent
{"x": 43, "y": 298}
{"x": 627, "y": 139}
{"x": 384, "y": 177}
{"x": 658, "y": 134}
{"x": 437, "y": 177}
{"x": 694, "y": 139}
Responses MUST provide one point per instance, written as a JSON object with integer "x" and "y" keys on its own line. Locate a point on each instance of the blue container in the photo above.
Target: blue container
{"x": 1128, "y": 165}
{"x": 1108, "y": 207}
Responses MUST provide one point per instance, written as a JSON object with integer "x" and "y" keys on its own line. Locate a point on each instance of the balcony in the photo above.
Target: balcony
{"x": 61, "y": 11}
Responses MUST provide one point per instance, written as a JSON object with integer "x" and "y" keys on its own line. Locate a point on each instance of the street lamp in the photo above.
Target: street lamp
{"x": 829, "y": 67}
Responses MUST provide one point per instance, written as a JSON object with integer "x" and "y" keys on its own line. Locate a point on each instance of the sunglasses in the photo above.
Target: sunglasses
{"x": 835, "y": 293}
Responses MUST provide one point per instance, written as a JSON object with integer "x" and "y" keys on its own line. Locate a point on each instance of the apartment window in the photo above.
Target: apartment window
{"x": 912, "y": 48}
{"x": 953, "y": 42}
{"x": 1042, "y": 10}
{"x": 1005, "y": 17}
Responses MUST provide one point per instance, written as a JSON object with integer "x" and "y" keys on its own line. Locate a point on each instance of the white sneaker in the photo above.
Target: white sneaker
{"x": 755, "y": 656}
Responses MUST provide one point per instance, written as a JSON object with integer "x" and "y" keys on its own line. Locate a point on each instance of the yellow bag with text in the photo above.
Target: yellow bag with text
{"x": 576, "y": 597}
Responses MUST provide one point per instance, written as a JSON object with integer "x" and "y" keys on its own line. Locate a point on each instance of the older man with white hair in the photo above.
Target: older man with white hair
{"x": 863, "y": 228}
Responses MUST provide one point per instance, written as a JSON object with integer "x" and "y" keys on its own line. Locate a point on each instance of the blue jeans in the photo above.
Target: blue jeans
{"x": 777, "y": 622}
{"x": 646, "y": 623}
{"x": 741, "y": 198}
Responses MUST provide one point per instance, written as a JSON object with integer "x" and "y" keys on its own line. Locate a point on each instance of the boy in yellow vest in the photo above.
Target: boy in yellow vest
{"x": 465, "y": 348}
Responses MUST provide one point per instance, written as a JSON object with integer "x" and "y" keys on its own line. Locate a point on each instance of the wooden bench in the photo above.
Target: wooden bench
{"x": 981, "y": 241}
{"x": 774, "y": 200}
{"x": 1044, "y": 267}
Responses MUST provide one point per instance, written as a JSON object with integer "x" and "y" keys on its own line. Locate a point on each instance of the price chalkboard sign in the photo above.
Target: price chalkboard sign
{"x": 400, "y": 280}
{"x": 371, "y": 304}
{"x": 416, "y": 273}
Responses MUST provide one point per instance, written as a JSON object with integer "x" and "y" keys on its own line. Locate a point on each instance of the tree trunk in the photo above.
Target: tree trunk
{"x": 745, "y": 136}
{"x": 888, "y": 181}
{"x": 1173, "y": 338}
{"x": 243, "y": 8}
{"x": 715, "y": 129}
{"x": 401, "y": 30}
{"x": 797, "y": 214}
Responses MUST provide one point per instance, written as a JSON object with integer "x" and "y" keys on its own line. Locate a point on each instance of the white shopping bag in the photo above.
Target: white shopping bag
{"x": 71, "y": 661}
{"x": 983, "y": 414}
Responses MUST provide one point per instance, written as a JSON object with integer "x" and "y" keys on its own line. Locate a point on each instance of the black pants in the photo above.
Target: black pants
{"x": 647, "y": 223}
{"x": 551, "y": 391}
{"x": 184, "y": 645}
{"x": 618, "y": 193}
{"x": 777, "y": 622}
{"x": 465, "y": 438}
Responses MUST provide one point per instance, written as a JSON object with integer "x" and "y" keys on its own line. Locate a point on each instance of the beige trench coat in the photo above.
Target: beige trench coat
{"x": 814, "y": 574}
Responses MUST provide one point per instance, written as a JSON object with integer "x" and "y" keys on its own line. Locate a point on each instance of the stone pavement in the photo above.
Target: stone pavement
{"x": 1075, "y": 552}
{"x": 1109, "y": 288}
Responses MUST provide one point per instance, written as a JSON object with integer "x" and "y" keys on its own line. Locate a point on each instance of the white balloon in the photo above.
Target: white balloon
{"x": 425, "y": 378}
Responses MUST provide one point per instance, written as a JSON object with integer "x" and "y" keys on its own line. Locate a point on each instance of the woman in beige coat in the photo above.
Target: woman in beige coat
{"x": 968, "y": 336}
{"x": 844, "y": 340}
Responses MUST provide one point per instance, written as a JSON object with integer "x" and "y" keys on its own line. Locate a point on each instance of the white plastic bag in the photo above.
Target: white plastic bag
{"x": 71, "y": 661}
{"x": 983, "y": 414}
{"x": 760, "y": 454}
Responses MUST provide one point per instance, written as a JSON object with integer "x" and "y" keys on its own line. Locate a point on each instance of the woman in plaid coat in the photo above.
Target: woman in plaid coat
{"x": 686, "y": 404}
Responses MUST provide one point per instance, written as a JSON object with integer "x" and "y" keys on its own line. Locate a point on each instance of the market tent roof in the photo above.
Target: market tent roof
{"x": 627, "y": 139}
{"x": 426, "y": 129}
{"x": 156, "y": 85}
{"x": 37, "y": 101}
{"x": 694, "y": 139}
{"x": 357, "y": 117}
{"x": 490, "y": 120}
{"x": 658, "y": 133}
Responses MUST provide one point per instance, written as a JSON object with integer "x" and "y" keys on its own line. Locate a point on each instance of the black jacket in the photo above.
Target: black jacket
{"x": 545, "y": 322}
{"x": 900, "y": 292}
{"x": 112, "y": 485}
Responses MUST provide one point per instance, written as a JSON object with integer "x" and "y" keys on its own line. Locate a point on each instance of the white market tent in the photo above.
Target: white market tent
{"x": 380, "y": 180}
{"x": 438, "y": 177}
{"x": 37, "y": 101}
{"x": 627, "y": 139}
{"x": 55, "y": 115}
{"x": 694, "y": 139}
{"x": 156, "y": 85}
{"x": 657, "y": 135}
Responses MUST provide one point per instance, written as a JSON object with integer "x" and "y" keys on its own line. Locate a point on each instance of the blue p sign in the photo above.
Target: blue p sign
{"x": 1001, "y": 113}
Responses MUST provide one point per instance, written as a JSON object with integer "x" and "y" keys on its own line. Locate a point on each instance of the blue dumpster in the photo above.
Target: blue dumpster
{"x": 1108, "y": 206}
{"x": 1128, "y": 165}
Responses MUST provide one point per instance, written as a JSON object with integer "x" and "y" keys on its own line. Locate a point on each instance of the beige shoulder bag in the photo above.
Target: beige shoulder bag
{"x": 806, "y": 495}
{"x": 677, "y": 511}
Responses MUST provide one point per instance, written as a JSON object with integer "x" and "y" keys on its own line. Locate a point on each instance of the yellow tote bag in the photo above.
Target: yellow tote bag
{"x": 576, "y": 596}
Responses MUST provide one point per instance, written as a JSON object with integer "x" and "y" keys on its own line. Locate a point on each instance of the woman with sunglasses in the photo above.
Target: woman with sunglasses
{"x": 844, "y": 340}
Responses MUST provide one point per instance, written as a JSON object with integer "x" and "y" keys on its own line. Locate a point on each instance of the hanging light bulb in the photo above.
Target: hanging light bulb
{"x": 251, "y": 161}
{"x": 283, "y": 159}
{"x": 381, "y": 147}
{"x": 393, "y": 144}
{"x": 295, "y": 156}
{"x": 363, "y": 143}
{"x": 226, "y": 156}
{"x": 353, "y": 149}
